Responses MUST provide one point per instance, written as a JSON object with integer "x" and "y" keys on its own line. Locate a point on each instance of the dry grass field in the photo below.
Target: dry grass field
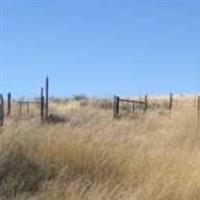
{"x": 93, "y": 157}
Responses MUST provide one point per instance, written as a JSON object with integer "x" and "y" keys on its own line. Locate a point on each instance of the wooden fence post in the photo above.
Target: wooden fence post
{"x": 133, "y": 107}
{"x": 198, "y": 114}
{"x": 1, "y": 110}
{"x": 28, "y": 107}
{"x": 20, "y": 107}
{"x": 47, "y": 98}
{"x": 146, "y": 103}
{"x": 116, "y": 107}
{"x": 9, "y": 104}
{"x": 42, "y": 104}
{"x": 171, "y": 101}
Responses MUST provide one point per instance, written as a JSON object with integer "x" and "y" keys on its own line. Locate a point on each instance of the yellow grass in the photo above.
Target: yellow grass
{"x": 92, "y": 157}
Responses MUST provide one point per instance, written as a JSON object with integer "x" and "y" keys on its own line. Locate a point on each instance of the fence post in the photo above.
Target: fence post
{"x": 28, "y": 107}
{"x": 47, "y": 98}
{"x": 9, "y": 104}
{"x": 171, "y": 101}
{"x": 198, "y": 109}
{"x": 146, "y": 103}
{"x": 116, "y": 107}
{"x": 42, "y": 104}
{"x": 20, "y": 107}
{"x": 1, "y": 110}
{"x": 133, "y": 107}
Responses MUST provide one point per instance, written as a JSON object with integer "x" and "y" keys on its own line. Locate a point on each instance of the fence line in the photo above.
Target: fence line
{"x": 44, "y": 104}
{"x": 43, "y": 101}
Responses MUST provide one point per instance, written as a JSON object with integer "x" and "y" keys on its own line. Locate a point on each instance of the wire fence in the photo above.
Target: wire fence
{"x": 44, "y": 108}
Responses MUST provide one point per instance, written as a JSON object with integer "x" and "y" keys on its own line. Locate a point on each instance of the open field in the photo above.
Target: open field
{"x": 155, "y": 156}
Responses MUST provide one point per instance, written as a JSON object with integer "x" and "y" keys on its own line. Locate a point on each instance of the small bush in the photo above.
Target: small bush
{"x": 80, "y": 98}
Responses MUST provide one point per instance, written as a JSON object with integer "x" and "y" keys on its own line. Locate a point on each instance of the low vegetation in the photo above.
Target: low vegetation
{"x": 90, "y": 156}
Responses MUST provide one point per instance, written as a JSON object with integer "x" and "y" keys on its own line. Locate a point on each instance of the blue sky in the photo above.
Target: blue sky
{"x": 99, "y": 47}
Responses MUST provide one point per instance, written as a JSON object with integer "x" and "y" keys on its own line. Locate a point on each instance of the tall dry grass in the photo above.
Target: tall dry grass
{"x": 92, "y": 157}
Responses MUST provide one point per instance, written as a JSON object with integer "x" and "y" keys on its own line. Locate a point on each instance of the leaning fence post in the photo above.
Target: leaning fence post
{"x": 146, "y": 103}
{"x": 47, "y": 98}
{"x": 1, "y": 110}
{"x": 171, "y": 101}
{"x": 42, "y": 103}
{"x": 9, "y": 104}
{"x": 116, "y": 107}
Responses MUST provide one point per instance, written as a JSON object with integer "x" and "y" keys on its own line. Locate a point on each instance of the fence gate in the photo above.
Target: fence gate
{"x": 117, "y": 101}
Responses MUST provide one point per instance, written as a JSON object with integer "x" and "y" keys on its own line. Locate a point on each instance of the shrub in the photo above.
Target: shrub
{"x": 80, "y": 97}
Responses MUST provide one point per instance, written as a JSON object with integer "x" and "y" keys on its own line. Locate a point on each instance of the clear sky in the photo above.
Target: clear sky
{"x": 100, "y": 47}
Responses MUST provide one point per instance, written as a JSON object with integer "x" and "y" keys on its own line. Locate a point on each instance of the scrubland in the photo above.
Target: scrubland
{"x": 155, "y": 156}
